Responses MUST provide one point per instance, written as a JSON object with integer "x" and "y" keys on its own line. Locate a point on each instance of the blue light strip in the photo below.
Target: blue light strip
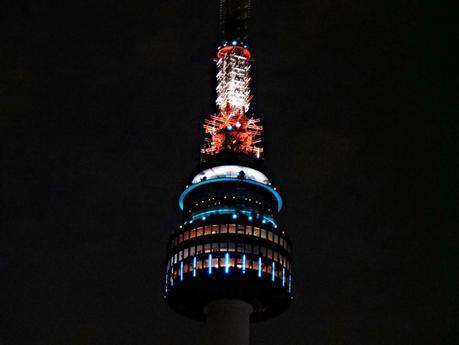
{"x": 243, "y": 263}
{"x": 273, "y": 271}
{"x": 227, "y": 263}
{"x": 229, "y": 179}
{"x": 209, "y": 264}
{"x": 172, "y": 276}
{"x": 259, "y": 267}
{"x": 283, "y": 276}
{"x": 194, "y": 266}
{"x": 290, "y": 283}
{"x": 204, "y": 214}
{"x": 181, "y": 270}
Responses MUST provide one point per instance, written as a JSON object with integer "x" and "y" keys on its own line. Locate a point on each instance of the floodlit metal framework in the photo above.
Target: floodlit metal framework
{"x": 231, "y": 129}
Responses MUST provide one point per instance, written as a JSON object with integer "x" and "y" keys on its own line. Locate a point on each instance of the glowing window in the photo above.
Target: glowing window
{"x": 192, "y": 251}
{"x": 263, "y": 233}
{"x": 239, "y": 263}
{"x": 232, "y": 228}
{"x": 223, "y": 246}
{"x": 199, "y": 231}
{"x": 232, "y": 262}
{"x": 199, "y": 249}
{"x": 180, "y": 255}
{"x": 175, "y": 258}
{"x": 185, "y": 253}
{"x": 269, "y": 254}
{"x": 276, "y": 238}
{"x": 207, "y": 248}
{"x": 223, "y": 228}
{"x": 180, "y": 238}
{"x": 215, "y": 262}
{"x": 240, "y": 229}
{"x": 193, "y": 233}
{"x": 200, "y": 264}
{"x": 256, "y": 231}
{"x": 207, "y": 230}
{"x": 214, "y": 229}
{"x": 255, "y": 265}
{"x": 270, "y": 236}
{"x": 215, "y": 247}
{"x": 186, "y": 235}
{"x": 248, "y": 230}
{"x": 231, "y": 247}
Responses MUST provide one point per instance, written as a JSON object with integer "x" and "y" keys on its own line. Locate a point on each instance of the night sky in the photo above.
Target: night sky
{"x": 101, "y": 107}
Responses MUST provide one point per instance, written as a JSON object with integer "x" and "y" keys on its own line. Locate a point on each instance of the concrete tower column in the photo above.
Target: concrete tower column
{"x": 228, "y": 321}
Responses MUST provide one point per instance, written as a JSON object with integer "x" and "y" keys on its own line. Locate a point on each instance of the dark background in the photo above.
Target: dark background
{"x": 101, "y": 107}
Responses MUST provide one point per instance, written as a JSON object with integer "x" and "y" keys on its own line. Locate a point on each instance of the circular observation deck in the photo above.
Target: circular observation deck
{"x": 229, "y": 245}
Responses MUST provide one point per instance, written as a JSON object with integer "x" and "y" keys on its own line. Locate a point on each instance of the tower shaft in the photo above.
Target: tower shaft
{"x": 228, "y": 321}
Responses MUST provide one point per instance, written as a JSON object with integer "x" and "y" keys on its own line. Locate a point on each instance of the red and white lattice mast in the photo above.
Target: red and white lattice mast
{"x": 231, "y": 128}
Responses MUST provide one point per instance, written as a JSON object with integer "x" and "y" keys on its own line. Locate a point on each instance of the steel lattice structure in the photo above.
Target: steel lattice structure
{"x": 231, "y": 129}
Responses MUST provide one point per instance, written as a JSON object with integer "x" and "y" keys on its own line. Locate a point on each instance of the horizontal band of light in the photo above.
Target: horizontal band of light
{"x": 231, "y": 171}
{"x": 229, "y": 179}
{"x": 230, "y": 266}
{"x": 203, "y": 214}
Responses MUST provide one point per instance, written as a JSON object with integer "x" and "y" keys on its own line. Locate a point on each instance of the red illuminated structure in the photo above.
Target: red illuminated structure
{"x": 231, "y": 129}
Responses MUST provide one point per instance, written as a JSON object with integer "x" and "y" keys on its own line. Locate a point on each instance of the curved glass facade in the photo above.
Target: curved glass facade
{"x": 231, "y": 171}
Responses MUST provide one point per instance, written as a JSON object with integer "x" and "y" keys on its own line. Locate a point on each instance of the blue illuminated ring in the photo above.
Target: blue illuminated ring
{"x": 229, "y": 179}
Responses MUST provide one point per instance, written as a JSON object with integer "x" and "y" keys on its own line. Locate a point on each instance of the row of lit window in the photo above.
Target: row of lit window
{"x": 231, "y": 229}
{"x": 216, "y": 247}
{"x": 228, "y": 262}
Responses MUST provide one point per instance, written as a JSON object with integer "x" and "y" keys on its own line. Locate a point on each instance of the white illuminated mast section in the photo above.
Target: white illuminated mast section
{"x": 233, "y": 79}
